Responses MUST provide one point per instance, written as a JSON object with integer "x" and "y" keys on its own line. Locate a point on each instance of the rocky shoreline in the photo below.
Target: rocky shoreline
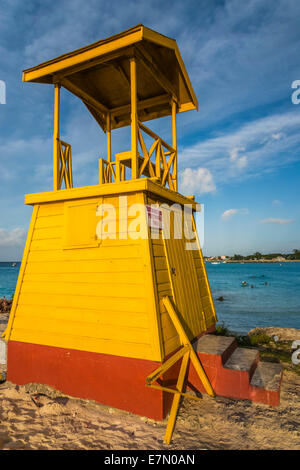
{"x": 5, "y": 305}
{"x": 281, "y": 334}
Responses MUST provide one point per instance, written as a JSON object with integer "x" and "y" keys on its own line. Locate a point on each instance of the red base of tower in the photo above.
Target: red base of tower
{"x": 119, "y": 382}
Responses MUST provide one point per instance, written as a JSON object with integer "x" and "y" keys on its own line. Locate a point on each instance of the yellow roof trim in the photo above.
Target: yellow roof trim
{"x": 141, "y": 184}
{"x": 106, "y": 46}
{"x": 84, "y": 54}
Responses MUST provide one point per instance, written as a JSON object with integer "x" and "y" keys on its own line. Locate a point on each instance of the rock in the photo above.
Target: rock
{"x": 282, "y": 334}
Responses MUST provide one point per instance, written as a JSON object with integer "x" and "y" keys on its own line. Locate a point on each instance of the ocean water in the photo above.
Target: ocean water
{"x": 274, "y": 299}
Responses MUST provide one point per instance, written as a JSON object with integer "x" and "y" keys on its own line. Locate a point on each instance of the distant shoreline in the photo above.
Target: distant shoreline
{"x": 253, "y": 261}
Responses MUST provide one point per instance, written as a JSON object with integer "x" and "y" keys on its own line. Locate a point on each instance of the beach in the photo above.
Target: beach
{"x": 35, "y": 416}
{"x": 38, "y": 417}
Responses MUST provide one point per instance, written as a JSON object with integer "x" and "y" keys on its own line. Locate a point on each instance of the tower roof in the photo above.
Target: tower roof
{"x": 99, "y": 74}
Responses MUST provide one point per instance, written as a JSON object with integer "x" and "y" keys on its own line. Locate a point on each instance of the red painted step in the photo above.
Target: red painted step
{"x": 236, "y": 372}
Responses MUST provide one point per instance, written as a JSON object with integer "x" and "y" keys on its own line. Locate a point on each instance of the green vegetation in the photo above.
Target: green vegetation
{"x": 269, "y": 349}
{"x": 257, "y": 256}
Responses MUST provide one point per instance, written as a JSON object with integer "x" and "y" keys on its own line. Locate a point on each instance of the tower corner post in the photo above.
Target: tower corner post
{"x": 134, "y": 123}
{"x": 56, "y": 137}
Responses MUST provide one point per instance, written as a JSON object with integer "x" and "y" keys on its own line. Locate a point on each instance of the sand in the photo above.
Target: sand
{"x": 38, "y": 417}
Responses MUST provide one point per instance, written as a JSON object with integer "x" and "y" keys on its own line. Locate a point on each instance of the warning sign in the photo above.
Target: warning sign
{"x": 154, "y": 216}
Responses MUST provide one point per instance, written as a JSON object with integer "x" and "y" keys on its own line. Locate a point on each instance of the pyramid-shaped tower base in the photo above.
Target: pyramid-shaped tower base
{"x": 88, "y": 317}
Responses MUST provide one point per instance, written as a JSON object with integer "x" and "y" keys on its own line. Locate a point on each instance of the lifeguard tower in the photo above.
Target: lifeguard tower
{"x": 109, "y": 298}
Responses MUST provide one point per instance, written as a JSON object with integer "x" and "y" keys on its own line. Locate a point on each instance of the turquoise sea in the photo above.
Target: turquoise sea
{"x": 274, "y": 299}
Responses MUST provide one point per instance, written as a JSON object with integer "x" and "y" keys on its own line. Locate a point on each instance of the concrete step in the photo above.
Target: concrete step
{"x": 243, "y": 359}
{"x": 267, "y": 375}
{"x": 235, "y": 372}
{"x": 218, "y": 348}
{"x": 266, "y": 382}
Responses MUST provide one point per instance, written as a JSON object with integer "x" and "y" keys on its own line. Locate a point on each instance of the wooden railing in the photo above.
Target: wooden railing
{"x": 110, "y": 172}
{"x": 64, "y": 164}
{"x": 158, "y": 162}
{"x": 164, "y": 165}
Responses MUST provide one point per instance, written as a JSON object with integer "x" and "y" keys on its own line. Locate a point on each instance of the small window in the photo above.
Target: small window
{"x": 80, "y": 225}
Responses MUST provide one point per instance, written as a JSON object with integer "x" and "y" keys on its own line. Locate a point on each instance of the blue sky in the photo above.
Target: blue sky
{"x": 239, "y": 155}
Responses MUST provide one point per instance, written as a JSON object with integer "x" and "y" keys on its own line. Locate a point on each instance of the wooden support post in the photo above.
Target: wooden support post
{"x": 108, "y": 134}
{"x": 174, "y": 143}
{"x": 187, "y": 353}
{"x": 134, "y": 120}
{"x": 56, "y": 137}
{"x": 185, "y": 341}
{"x": 176, "y": 399}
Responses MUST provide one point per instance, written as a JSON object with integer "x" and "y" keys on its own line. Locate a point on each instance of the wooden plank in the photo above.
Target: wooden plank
{"x": 125, "y": 278}
{"x": 185, "y": 341}
{"x": 176, "y": 399}
{"x": 102, "y": 253}
{"x": 101, "y": 316}
{"x": 83, "y": 343}
{"x": 86, "y": 266}
{"x": 48, "y": 233}
{"x": 158, "y": 251}
{"x": 95, "y": 330}
{"x": 124, "y": 291}
{"x": 163, "y": 276}
{"x": 166, "y": 365}
{"x": 7, "y": 331}
{"x": 160, "y": 263}
{"x": 84, "y": 302}
{"x": 49, "y": 221}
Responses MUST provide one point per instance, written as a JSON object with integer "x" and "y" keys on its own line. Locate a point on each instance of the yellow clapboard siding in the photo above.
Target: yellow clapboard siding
{"x": 157, "y": 241}
{"x": 168, "y": 327}
{"x": 81, "y": 301}
{"x": 129, "y": 252}
{"x": 124, "y": 291}
{"x": 49, "y": 221}
{"x": 86, "y": 266}
{"x": 51, "y": 209}
{"x": 116, "y": 318}
{"x": 158, "y": 251}
{"x": 162, "y": 276}
{"x": 73, "y": 277}
{"x": 82, "y": 343}
{"x": 47, "y": 233}
{"x": 164, "y": 288}
{"x": 76, "y": 328}
{"x": 46, "y": 245}
{"x": 160, "y": 262}
{"x": 171, "y": 344}
{"x": 198, "y": 263}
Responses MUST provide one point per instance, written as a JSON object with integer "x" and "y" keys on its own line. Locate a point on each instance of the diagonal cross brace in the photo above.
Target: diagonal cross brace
{"x": 186, "y": 352}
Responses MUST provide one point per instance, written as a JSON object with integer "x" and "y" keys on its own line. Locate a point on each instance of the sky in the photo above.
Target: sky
{"x": 239, "y": 154}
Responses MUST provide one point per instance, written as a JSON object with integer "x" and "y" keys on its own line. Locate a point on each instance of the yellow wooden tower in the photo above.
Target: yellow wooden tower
{"x": 107, "y": 290}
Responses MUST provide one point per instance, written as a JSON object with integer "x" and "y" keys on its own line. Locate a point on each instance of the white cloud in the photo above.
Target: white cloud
{"x": 14, "y": 237}
{"x": 231, "y": 212}
{"x": 239, "y": 161}
{"x": 272, "y": 220}
{"x": 277, "y": 135}
{"x": 276, "y": 202}
{"x": 264, "y": 153}
{"x": 198, "y": 180}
